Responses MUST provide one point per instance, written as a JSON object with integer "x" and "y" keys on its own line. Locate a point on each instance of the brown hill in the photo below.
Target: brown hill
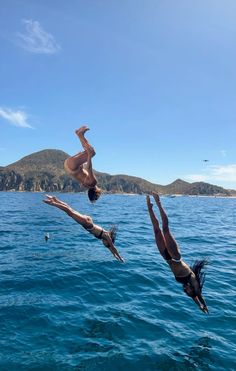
{"x": 43, "y": 171}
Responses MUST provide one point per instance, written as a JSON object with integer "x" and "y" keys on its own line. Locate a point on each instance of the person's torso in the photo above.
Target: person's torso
{"x": 180, "y": 269}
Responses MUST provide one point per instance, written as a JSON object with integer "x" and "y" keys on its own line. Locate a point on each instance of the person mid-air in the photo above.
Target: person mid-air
{"x": 75, "y": 166}
{"x": 107, "y": 237}
{"x": 192, "y": 278}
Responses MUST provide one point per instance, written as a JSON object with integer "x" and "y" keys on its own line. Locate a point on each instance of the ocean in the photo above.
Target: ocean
{"x": 67, "y": 304}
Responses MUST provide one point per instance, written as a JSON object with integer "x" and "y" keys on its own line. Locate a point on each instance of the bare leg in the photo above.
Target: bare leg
{"x": 74, "y": 162}
{"x": 83, "y": 220}
{"x": 85, "y": 144}
{"x": 171, "y": 244}
{"x": 160, "y": 241}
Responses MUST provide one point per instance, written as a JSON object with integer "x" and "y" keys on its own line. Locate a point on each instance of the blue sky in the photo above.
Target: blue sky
{"x": 155, "y": 81}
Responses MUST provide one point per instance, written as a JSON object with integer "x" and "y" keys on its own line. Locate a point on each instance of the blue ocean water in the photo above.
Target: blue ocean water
{"x": 68, "y": 305}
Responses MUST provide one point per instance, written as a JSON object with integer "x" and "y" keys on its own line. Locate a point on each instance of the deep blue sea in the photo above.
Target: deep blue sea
{"x": 68, "y": 305}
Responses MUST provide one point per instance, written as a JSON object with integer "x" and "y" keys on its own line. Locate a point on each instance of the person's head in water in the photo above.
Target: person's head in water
{"x": 46, "y": 237}
{"x": 94, "y": 193}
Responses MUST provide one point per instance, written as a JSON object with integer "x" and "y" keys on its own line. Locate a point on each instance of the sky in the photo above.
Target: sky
{"x": 155, "y": 81}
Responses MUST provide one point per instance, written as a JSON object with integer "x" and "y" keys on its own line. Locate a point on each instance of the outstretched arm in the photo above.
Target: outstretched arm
{"x": 205, "y": 309}
{"x": 199, "y": 299}
{"x": 109, "y": 244}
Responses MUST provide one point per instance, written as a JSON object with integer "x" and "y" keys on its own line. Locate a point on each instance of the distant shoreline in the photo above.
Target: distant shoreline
{"x": 125, "y": 194}
{"x": 44, "y": 171}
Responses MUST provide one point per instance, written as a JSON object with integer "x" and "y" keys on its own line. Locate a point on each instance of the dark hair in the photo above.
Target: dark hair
{"x": 94, "y": 193}
{"x": 113, "y": 232}
{"x": 197, "y": 270}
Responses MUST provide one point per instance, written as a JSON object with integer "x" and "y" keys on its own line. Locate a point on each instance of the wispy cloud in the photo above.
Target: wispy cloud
{"x": 17, "y": 118}
{"x": 214, "y": 173}
{"x": 223, "y": 152}
{"x": 224, "y": 173}
{"x": 195, "y": 178}
{"x": 36, "y": 40}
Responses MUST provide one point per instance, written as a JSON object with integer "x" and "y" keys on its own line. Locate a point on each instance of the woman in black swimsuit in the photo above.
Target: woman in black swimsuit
{"x": 192, "y": 278}
{"x": 107, "y": 237}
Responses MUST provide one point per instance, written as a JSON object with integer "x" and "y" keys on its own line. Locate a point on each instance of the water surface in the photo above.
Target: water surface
{"x": 68, "y": 305}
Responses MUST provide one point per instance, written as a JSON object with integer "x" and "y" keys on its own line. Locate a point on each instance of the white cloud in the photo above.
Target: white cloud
{"x": 36, "y": 40}
{"x": 214, "y": 173}
{"x": 223, "y": 152}
{"x": 224, "y": 173}
{"x": 17, "y": 118}
{"x": 195, "y": 178}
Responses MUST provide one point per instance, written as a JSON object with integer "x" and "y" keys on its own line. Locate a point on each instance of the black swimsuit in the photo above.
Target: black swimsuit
{"x": 96, "y": 231}
{"x": 184, "y": 280}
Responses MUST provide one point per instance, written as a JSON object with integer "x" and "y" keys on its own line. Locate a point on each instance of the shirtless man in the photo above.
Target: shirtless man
{"x": 75, "y": 166}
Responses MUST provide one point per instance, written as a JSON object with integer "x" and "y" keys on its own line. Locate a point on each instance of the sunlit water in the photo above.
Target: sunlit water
{"x": 68, "y": 305}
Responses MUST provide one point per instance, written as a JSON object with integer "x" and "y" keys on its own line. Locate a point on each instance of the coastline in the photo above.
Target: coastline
{"x": 126, "y": 194}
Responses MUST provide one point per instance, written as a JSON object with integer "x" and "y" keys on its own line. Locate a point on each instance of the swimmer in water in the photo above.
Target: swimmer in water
{"x": 46, "y": 237}
{"x": 192, "y": 278}
{"x": 80, "y": 167}
{"x": 107, "y": 237}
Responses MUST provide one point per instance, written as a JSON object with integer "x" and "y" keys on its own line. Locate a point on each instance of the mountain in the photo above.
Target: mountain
{"x": 49, "y": 160}
{"x": 43, "y": 171}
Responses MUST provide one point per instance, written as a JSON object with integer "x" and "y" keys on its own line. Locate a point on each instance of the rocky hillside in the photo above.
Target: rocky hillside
{"x": 43, "y": 171}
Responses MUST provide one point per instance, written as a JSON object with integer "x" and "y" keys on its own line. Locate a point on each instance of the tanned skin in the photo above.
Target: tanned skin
{"x": 166, "y": 242}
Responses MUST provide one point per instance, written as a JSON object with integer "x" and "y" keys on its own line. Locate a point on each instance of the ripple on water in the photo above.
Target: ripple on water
{"x": 68, "y": 305}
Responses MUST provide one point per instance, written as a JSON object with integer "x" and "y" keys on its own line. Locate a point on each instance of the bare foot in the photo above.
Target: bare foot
{"x": 82, "y": 130}
{"x": 49, "y": 197}
{"x": 51, "y": 200}
{"x": 54, "y": 200}
{"x": 156, "y": 197}
{"x": 91, "y": 151}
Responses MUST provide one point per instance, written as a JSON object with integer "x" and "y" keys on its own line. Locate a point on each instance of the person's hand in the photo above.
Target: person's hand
{"x": 109, "y": 244}
{"x": 204, "y": 309}
{"x": 115, "y": 253}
